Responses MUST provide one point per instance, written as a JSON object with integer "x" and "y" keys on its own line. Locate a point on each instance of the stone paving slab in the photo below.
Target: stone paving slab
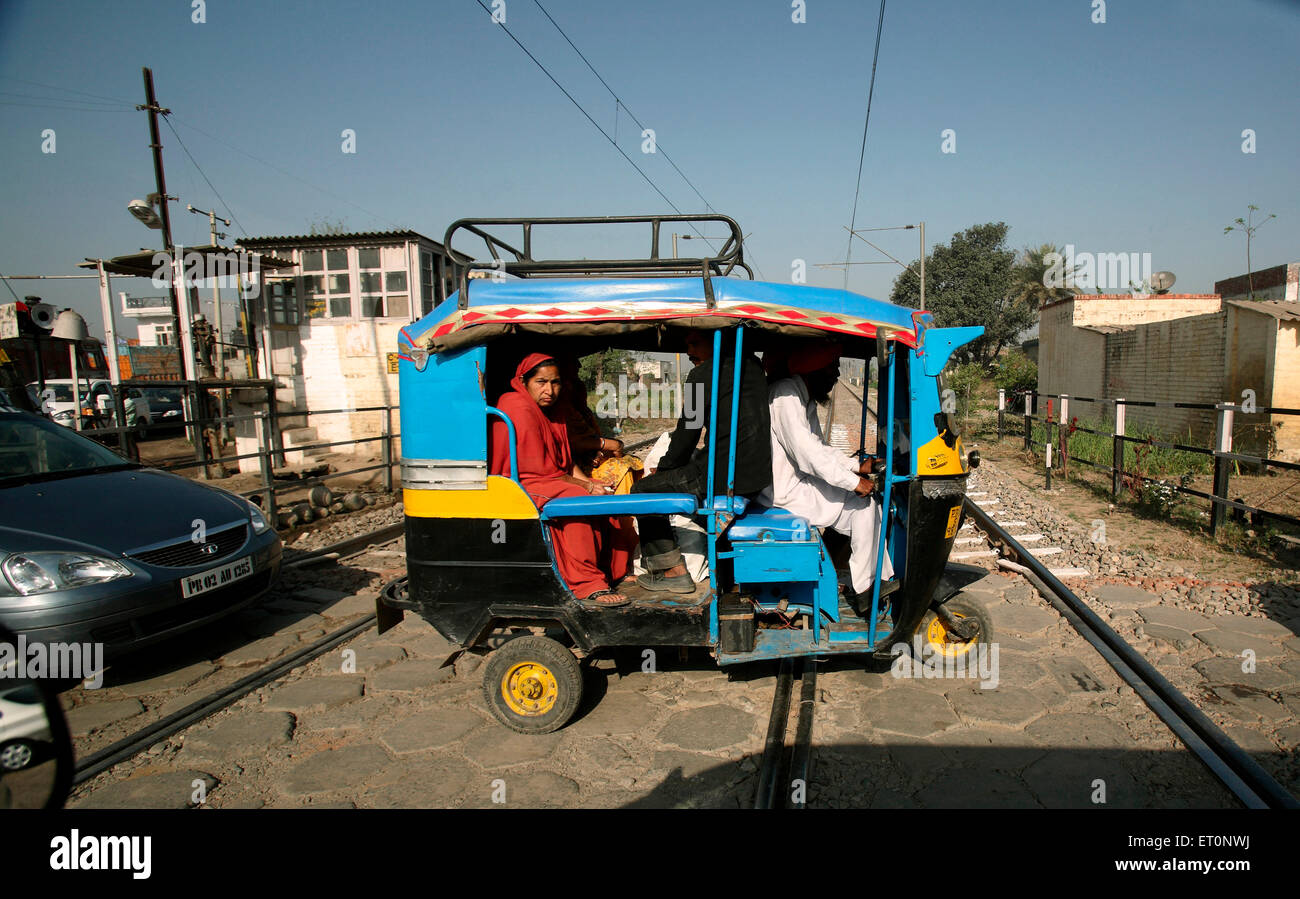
{"x": 421, "y": 784}
{"x": 1248, "y": 704}
{"x": 172, "y": 680}
{"x": 260, "y": 651}
{"x": 1174, "y": 636}
{"x": 499, "y": 747}
{"x": 1023, "y": 620}
{"x": 431, "y": 730}
{"x": 241, "y": 734}
{"x": 709, "y": 728}
{"x": 1264, "y": 628}
{"x": 910, "y": 711}
{"x": 412, "y": 674}
{"x": 316, "y": 693}
{"x": 1076, "y": 731}
{"x": 623, "y": 712}
{"x": 1010, "y": 706}
{"x": 1171, "y": 616}
{"x": 165, "y": 790}
{"x": 1074, "y": 675}
{"x": 957, "y": 789}
{"x": 1122, "y": 596}
{"x": 1070, "y": 780}
{"x": 348, "y": 607}
{"x": 1229, "y": 671}
{"x": 93, "y": 715}
{"x": 1234, "y": 644}
{"x": 335, "y": 769}
{"x": 322, "y": 595}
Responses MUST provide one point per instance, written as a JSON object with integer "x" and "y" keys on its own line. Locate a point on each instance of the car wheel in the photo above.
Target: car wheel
{"x": 16, "y": 755}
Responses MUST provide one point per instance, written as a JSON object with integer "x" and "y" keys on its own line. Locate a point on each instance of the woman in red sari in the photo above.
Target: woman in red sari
{"x": 593, "y": 552}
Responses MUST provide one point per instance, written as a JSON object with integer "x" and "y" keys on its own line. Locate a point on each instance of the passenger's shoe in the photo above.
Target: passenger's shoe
{"x": 655, "y": 581}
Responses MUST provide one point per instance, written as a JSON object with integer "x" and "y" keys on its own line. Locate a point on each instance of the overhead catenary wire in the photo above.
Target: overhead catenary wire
{"x": 862, "y": 154}
{"x": 203, "y": 174}
{"x": 589, "y": 118}
{"x": 619, "y": 103}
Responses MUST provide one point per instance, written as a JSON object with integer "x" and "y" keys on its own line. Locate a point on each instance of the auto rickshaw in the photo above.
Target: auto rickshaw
{"x": 480, "y": 562}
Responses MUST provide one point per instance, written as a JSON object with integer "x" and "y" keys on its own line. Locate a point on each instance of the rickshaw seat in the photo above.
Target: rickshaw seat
{"x": 621, "y": 504}
{"x": 635, "y": 504}
{"x": 764, "y": 524}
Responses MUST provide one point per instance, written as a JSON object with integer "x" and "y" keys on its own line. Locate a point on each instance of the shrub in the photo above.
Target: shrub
{"x": 1016, "y": 371}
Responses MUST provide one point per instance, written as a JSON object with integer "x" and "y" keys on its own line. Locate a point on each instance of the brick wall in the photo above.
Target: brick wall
{"x": 1170, "y": 361}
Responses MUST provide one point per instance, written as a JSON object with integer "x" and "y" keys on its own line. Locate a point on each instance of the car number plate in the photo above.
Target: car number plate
{"x": 214, "y": 578}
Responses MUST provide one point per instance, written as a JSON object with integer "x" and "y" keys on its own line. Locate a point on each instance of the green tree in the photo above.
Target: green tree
{"x": 604, "y": 366}
{"x": 971, "y": 282}
{"x": 1038, "y": 267}
{"x": 1250, "y": 226}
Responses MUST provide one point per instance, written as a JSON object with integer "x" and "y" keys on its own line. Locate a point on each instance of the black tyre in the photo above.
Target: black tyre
{"x": 532, "y": 685}
{"x": 942, "y": 641}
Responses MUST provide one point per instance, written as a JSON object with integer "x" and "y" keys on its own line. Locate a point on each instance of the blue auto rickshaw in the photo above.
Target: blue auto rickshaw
{"x": 480, "y": 564}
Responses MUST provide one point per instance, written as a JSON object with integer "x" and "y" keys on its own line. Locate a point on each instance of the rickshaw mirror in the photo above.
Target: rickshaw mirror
{"x": 940, "y": 343}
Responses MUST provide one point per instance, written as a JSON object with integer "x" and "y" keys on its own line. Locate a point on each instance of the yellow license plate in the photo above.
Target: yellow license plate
{"x": 954, "y": 517}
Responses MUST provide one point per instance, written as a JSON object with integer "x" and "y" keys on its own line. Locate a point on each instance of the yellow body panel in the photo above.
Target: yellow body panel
{"x": 503, "y": 498}
{"x": 936, "y": 457}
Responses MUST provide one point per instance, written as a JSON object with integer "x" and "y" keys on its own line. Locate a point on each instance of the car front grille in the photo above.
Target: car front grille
{"x": 184, "y": 611}
{"x": 187, "y": 553}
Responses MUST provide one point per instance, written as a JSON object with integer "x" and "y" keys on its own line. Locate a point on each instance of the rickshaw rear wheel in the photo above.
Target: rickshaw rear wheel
{"x": 532, "y": 685}
{"x": 942, "y": 641}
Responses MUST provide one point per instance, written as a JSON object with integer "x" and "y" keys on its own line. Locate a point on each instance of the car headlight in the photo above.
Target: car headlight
{"x": 260, "y": 524}
{"x": 44, "y": 572}
{"x": 63, "y": 416}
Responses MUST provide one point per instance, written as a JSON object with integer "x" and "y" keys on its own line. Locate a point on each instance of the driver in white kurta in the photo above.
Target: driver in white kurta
{"x": 816, "y": 481}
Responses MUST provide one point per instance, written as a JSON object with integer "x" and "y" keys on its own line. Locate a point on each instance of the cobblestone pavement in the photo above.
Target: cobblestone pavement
{"x": 377, "y": 722}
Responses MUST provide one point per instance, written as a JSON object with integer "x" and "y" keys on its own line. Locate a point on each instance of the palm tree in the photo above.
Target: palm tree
{"x": 1032, "y": 272}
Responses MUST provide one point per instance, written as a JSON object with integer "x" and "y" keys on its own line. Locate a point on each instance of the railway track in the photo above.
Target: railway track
{"x": 214, "y": 702}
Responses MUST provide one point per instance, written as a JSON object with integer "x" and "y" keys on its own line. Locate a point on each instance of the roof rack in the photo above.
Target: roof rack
{"x": 729, "y": 258}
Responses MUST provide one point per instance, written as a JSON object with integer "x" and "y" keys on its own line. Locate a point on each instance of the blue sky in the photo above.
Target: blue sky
{"x": 1115, "y": 137}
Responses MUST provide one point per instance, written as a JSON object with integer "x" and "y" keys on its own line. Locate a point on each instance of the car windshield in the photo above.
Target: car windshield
{"x": 158, "y": 395}
{"x": 33, "y": 448}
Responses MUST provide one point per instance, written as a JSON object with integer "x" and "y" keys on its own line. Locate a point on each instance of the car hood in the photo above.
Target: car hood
{"x": 113, "y": 511}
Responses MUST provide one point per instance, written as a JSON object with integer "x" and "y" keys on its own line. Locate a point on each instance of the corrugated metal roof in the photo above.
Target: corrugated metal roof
{"x": 1282, "y": 310}
{"x": 351, "y": 237}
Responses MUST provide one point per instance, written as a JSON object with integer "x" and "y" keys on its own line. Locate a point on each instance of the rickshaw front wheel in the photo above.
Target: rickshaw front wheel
{"x": 941, "y": 640}
{"x": 532, "y": 685}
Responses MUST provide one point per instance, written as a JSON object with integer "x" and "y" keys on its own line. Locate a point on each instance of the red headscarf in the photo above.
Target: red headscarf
{"x": 542, "y": 439}
{"x": 813, "y": 357}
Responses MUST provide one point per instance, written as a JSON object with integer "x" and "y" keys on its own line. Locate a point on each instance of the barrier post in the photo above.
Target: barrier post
{"x": 388, "y": 449}
{"x": 265, "y": 463}
{"x": 1064, "y": 435}
{"x": 1029, "y": 417}
{"x": 1002, "y": 408}
{"x": 1222, "y": 465}
{"x": 1117, "y": 450}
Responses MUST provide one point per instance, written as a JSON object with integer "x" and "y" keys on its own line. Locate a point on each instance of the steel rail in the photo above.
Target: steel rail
{"x": 209, "y": 705}
{"x": 1244, "y": 777}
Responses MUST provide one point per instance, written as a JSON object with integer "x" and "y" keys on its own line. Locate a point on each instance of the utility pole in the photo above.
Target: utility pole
{"x": 218, "y": 345}
{"x": 184, "y": 334}
{"x": 922, "y": 266}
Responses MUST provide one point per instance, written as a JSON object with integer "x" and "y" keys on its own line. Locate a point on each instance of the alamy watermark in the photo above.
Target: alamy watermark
{"x": 656, "y": 400}
{"x": 234, "y": 268}
{"x": 55, "y": 661}
{"x": 1098, "y": 271}
{"x": 980, "y": 662}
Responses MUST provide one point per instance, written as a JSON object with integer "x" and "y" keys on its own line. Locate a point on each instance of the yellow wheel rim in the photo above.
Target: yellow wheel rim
{"x": 529, "y": 689}
{"x": 944, "y": 642}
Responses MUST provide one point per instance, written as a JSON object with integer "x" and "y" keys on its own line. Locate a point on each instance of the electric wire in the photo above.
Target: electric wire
{"x": 862, "y": 154}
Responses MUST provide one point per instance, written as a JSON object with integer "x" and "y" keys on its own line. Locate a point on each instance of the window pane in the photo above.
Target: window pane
{"x": 311, "y": 260}
{"x": 339, "y": 283}
{"x": 395, "y": 257}
{"x": 315, "y": 307}
{"x": 341, "y": 307}
{"x": 338, "y": 260}
{"x": 368, "y": 258}
{"x": 372, "y": 282}
{"x": 396, "y": 281}
{"x": 398, "y": 307}
{"x": 372, "y": 307}
{"x": 313, "y": 285}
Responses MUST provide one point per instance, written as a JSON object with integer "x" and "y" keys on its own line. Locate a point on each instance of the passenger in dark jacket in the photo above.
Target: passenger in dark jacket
{"x": 684, "y": 468}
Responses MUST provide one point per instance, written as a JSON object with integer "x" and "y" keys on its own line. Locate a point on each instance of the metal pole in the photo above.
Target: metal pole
{"x": 1049, "y": 461}
{"x": 1064, "y": 434}
{"x": 1002, "y": 409}
{"x": 76, "y": 384}
{"x": 1222, "y": 465}
{"x": 388, "y": 449}
{"x": 922, "y": 266}
{"x": 1029, "y": 417}
{"x": 110, "y": 327}
{"x": 218, "y": 344}
{"x": 1117, "y": 449}
{"x": 160, "y": 180}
